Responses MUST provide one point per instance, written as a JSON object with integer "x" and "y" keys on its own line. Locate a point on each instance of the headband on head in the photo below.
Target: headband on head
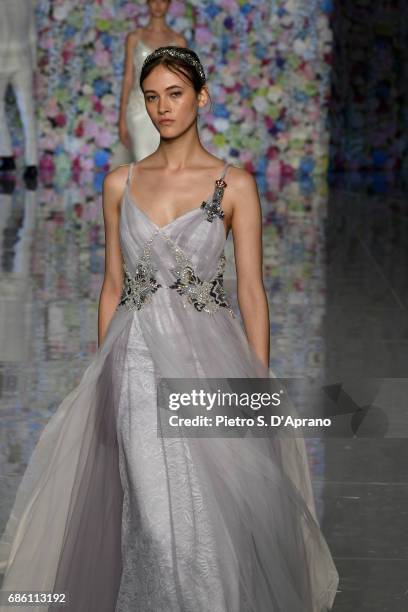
{"x": 179, "y": 53}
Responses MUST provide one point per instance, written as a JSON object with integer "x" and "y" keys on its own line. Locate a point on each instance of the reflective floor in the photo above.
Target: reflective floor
{"x": 365, "y": 335}
{"x": 335, "y": 264}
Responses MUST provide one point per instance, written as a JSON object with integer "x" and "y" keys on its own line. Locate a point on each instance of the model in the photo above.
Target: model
{"x": 112, "y": 512}
{"x": 18, "y": 61}
{"x": 136, "y": 131}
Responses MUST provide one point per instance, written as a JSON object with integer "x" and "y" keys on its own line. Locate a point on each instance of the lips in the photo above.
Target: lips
{"x": 166, "y": 121}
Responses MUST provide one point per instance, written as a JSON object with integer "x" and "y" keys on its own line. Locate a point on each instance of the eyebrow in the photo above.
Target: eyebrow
{"x": 153, "y": 91}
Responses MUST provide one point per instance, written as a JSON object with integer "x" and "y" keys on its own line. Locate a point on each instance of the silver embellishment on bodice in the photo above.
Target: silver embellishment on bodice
{"x": 138, "y": 289}
{"x": 213, "y": 207}
{"x": 204, "y": 295}
{"x": 207, "y": 295}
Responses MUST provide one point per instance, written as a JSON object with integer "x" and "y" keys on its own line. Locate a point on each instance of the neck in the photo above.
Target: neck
{"x": 183, "y": 152}
{"x": 157, "y": 24}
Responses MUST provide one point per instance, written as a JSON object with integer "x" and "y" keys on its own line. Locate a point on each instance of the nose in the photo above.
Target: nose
{"x": 162, "y": 106}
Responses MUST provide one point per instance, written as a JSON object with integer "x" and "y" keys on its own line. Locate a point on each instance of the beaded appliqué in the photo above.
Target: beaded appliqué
{"x": 207, "y": 296}
{"x": 138, "y": 289}
{"x": 213, "y": 208}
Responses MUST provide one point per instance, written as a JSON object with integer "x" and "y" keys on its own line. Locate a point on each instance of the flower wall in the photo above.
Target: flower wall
{"x": 268, "y": 68}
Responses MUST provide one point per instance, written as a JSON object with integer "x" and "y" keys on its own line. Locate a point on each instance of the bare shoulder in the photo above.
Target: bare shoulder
{"x": 242, "y": 194}
{"x": 181, "y": 41}
{"x": 114, "y": 183}
{"x": 240, "y": 180}
{"x": 132, "y": 37}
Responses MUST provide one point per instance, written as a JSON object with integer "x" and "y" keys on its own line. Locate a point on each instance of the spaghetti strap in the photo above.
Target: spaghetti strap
{"x": 224, "y": 172}
{"x": 129, "y": 173}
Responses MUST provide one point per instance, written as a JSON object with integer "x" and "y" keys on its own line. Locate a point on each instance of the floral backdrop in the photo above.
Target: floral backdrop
{"x": 268, "y": 64}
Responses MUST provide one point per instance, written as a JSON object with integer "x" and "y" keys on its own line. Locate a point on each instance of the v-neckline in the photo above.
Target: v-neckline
{"x": 151, "y": 49}
{"x": 134, "y": 204}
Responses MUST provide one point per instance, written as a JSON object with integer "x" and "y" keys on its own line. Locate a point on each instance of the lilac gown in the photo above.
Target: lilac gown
{"x": 125, "y": 520}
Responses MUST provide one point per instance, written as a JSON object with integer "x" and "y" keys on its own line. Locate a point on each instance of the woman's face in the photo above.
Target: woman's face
{"x": 158, "y": 8}
{"x": 170, "y": 96}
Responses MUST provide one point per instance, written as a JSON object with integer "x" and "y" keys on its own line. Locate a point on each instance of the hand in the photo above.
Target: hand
{"x": 124, "y": 136}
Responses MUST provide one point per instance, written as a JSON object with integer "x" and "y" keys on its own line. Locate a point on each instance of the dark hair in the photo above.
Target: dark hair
{"x": 176, "y": 65}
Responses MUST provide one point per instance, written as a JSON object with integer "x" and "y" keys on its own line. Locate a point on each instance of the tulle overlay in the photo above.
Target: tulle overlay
{"x": 124, "y": 519}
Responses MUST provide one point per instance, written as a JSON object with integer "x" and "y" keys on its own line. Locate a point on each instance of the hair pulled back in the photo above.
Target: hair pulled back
{"x": 177, "y": 64}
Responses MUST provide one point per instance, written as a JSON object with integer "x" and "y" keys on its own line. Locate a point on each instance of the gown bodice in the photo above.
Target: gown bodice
{"x": 185, "y": 255}
{"x": 144, "y": 136}
{"x": 140, "y": 52}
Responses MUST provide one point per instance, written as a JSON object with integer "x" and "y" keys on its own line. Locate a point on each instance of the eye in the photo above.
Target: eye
{"x": 176, "y": 93}
{"x": 149, "y": 98}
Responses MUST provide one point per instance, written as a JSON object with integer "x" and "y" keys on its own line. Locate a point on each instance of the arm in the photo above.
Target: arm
{"x": 127, "y": 84}
{"x": 113, "y": 279}
{"x": 246, "y": 225}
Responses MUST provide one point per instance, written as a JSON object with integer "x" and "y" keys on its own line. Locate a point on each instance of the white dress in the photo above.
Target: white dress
{"x": 18, "y": 59}
{"x": 144, "y": 136}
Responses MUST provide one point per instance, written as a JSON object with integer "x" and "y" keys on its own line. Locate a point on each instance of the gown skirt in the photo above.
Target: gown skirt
{"x": 123, "y": 519}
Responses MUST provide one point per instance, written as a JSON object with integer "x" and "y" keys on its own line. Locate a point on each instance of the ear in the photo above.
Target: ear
{"x": 203, "y": 96}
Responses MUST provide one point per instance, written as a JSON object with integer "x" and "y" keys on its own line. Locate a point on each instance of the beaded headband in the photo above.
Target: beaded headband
{"x": 179, "y": 53}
